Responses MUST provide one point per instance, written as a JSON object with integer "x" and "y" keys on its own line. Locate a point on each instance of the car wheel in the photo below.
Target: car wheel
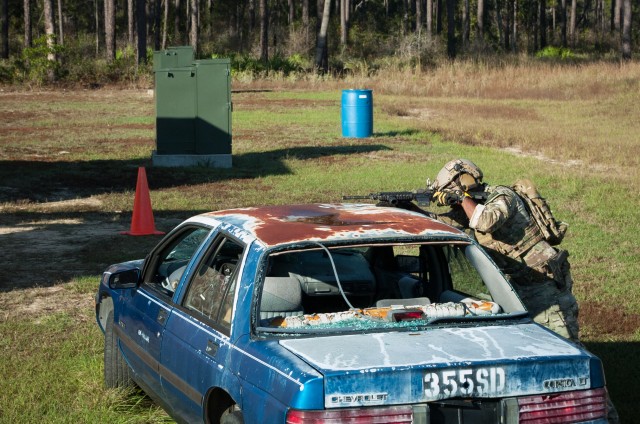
{"x": 232, "y": 416}
{"x": 116, "y": 371}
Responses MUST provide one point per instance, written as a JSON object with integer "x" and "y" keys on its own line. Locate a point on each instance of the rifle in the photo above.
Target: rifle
{"x": 421, "y": 196}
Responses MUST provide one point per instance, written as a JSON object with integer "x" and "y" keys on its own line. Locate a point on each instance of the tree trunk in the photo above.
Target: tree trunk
{"x": 343, "y": 23}
{"x": 187, "y": 18}
{"x": 451, "y": 29}
{"x": 626, "y": 29}
{"x": 291, "y": 14}
{"x": 264, "y": 32}
{"x": 252, "y": 15}
{"x": 572, "y": 22}
{"x": 321, "y": 47}
{"x": 27, "y": 23}
{"x": 176, "y": 24}
{"x": 60, "y": 40}
{"x": 95, "y": 3}
{"x": 405, "y": 16}
{"x": 157, "y": 19}
{"x": 274, "y": 23}
{"x": 430, "y": 19}
{"x": 305, "y": 21}
{"x": 439, "y": 17}
{"x": 563, "y": 22}
{"x": 164, "y": 24}
{"x": 4, "y": 17}
{"x": 514, "y": 27}
{"x": 193, "y": 34}
{"x": 347, "y": 15}
{"x": 480, "y": 23}
{"x": 616, "y": 8}
{"x": 543, "y": 24}
{"x": 49, "y": 30}
{"x": 500, "y": 23}
{"x": 141, "y": 29}
{"x": 535, "y": 27}
{"x": 601, "y": 20}
{"x": 233, "y": 20}
{"x": 507, "y": 25}
{"x": 110, "y": 29}
{"x": 418, "y": 17}
{"x": 130, "y": 22}
{"x": 466, "y": 23}
{"x": 239, "y": 23}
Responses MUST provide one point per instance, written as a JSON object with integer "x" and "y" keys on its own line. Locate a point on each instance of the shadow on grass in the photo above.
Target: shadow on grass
{"x": 35, "y": 181}
{"x": 44, "y": 249}
{"x": 399, "y": 133}
{"x": 53, "y": 246}
{"x": 622, "y": 370}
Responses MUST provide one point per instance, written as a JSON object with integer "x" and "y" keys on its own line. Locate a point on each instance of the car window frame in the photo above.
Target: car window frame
{"x": 433, "y": 263}
{"x": 152, "y": 262}
{"x": 229, "y": 290}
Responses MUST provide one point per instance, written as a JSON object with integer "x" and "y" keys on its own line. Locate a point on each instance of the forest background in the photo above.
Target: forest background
{"x": 96, "y": 42}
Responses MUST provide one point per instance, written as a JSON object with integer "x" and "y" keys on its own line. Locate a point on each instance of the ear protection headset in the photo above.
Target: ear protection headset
{"x": 467, "y": 182}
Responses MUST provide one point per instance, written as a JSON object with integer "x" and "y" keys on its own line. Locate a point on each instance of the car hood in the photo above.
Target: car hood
{"x": 440, "y": 363}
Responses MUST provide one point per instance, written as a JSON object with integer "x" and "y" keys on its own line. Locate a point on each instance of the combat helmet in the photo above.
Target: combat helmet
{"x": 460, "y": 174}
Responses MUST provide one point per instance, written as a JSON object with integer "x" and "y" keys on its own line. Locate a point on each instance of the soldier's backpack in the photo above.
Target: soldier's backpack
{"x": 552, "y": 230}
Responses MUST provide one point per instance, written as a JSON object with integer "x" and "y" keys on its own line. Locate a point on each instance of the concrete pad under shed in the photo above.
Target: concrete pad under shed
{"x": 207, "y": 161}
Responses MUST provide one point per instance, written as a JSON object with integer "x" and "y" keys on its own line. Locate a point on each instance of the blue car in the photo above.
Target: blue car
{"x": 335, "y": 313}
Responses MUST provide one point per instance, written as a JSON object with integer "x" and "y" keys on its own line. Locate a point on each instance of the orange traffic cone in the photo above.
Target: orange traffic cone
{"x": 142, "y": 223}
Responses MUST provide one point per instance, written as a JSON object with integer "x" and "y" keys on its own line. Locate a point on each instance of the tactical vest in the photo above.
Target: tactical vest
{"x": 518, "y": 238}
{"x": 551, "y": 229}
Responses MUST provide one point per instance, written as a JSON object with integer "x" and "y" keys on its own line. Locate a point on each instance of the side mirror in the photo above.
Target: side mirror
{"x": 127, "y": 279}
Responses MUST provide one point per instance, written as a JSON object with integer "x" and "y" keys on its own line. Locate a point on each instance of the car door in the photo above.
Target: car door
{"x": 196, "y": 340}
{"x": 144, "y": 316}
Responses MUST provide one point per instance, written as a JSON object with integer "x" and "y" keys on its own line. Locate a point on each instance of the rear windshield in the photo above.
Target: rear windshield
{"x": 359, "y": 288}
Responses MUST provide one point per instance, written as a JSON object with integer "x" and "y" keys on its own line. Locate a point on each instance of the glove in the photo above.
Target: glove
{"x": 449, "y": 197}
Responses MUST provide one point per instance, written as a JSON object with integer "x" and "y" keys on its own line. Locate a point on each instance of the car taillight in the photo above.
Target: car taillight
{"x": 406, "y": 315}
{"x": 393, "y": 414}
{"x": 569, "y": 407}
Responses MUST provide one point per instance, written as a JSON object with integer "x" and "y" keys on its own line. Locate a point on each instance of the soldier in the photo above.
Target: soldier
{"x": 539, "y": 272}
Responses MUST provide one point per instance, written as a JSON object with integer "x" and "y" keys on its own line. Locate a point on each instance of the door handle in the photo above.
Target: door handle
{"x": 212, "y": 348}
{"x": 162, "y": 316}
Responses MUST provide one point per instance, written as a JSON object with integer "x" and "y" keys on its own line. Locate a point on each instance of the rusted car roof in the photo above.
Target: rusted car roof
{"x": 275, "y": 225}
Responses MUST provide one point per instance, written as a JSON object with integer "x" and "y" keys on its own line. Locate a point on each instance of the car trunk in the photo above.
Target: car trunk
{"x": 437, "y": 364}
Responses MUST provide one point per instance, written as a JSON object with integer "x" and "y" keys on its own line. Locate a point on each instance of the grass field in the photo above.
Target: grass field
{"x": 68, "y": 167}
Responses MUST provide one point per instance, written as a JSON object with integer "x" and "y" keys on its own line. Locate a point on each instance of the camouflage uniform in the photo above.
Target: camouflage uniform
{"x": 539, "y": 272}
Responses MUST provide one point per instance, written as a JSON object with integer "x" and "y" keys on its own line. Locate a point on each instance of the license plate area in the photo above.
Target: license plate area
{"x": 489, "y": 382}
{"x": 461, "y": 411}
{"x": 452, "y": 411}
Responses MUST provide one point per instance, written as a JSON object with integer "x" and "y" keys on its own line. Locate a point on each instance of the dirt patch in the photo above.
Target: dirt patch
{"x": 86, "y": 204}
{"x": 36, "y": 303}
{"x": 45, "y": 252}
{"x": 57, "y": 246}
{"x": 488, "y": 111}
{"x": 257, "y": 102}
{"x": 598, "y": 319}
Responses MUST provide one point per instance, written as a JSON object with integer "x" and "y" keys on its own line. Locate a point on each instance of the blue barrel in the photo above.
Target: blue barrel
{"x": 357, "y": 113}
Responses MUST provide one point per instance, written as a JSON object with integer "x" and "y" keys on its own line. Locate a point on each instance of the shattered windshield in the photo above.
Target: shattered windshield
{"x": 353, "y": 288}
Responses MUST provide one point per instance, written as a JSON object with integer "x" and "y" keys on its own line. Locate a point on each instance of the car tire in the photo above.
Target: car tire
{"x": 232, "y": 416}
{"x": 116, "y": 371}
